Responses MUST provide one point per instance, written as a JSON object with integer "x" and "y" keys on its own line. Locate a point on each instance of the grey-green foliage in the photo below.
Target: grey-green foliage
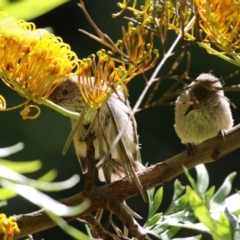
{"x": 196, "y": 207}
{"x": 12, "y": 183}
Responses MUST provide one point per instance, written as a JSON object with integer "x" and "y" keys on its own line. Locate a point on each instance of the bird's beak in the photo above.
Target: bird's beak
{"x": 190, "y": 108}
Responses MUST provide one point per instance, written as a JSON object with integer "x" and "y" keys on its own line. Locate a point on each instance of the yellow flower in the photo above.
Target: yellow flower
{"x": 213, "y": 24}
{"x": 220, "y": 20}
{"x": 110, "y": 72}
{"x": 8, "y": 227}
{"x": 33, "y": 61}
{"x": 161, "y": 14}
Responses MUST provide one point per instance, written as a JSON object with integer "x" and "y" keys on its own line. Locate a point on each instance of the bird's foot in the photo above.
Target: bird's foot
{"x": 222, "y": 134}
{"x": 191, "y": 149}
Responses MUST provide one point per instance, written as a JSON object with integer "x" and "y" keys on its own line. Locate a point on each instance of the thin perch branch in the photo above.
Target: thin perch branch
{"x": 97, "y": 227}
{"x": 159, "y": 174}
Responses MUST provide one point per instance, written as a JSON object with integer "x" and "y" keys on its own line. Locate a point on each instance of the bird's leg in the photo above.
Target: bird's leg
{"x": 191, "y": 149}
{"x": 222, "y": 134}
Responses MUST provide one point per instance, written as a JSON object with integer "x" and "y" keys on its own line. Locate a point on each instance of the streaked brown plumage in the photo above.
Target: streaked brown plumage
{"x": 106, "y": 123}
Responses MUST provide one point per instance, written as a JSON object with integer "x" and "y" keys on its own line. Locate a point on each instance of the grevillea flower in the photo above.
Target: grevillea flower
{"x": 8, "y": 227}
{"x": 213, "y": 24}
{"x": 156, "y": 14}
{"x": 221, "y": 23}
{"x": 33, "y": 61}
{"x": 110, "y": 72}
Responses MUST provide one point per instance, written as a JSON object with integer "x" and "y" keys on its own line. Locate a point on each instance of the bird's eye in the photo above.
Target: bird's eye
{"x": 65, "y": 92}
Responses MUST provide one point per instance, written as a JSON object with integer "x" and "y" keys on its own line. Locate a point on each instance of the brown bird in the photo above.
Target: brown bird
{"x": 202, "y": 110}
{"x": 105, "y": 123}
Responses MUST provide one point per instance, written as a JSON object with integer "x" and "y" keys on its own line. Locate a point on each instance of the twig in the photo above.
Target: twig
{"x": 128, "y": 220}
{"x": 97, "y": 227}
{"x": 89, "y": 181}
{"x": 104, "y": 38}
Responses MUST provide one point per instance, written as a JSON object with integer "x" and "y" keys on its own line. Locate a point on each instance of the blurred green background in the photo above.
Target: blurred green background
{"x": 45, "y": 137}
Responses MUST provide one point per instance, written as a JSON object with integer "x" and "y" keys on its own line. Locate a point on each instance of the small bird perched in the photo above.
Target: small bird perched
{"x": 202, "y": 110}
{"x": 105, "y": 123}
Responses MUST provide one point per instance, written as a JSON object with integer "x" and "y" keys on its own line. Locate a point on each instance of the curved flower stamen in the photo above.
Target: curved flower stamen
{"x": 8, "y": 227}
{"x": 110, "y": 72}
{"x": 2, "y": 102}
{"x": 25, "y": 113}
{"x": 220, "y": 21}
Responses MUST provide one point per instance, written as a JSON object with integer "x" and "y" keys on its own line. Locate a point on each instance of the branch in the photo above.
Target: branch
{"x": 97, "y": 227}
{"x": 106, "y": 196}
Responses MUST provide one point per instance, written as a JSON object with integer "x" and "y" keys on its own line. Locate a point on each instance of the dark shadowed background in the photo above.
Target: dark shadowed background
{"x": 45, "y": 137}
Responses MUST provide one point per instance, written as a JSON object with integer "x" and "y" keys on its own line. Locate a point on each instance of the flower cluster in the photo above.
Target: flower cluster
{"x": 220, "y": 22}
{"x": 158, "y": 14}
{"x": 33, "y": 61}
{"x": 213, "y": 24}
{"x": 113, "y": 68}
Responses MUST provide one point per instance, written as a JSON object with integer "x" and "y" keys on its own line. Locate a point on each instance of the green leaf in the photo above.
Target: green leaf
{"x": 3, "y": 203}
{"x": 24, "y": 9}
{"x": 219, "y": 230}
{"x": 75, "y": 233}
{"x": 177, "y": 205}
{"x": 202, "y": 178}
{"x": 224, "y": 190}
{"x": 150, "y": 194}
{"x": 168, "y": 235}
{"x": 223, "y": 229}
{"x": 11, "y": 176}
{"x": 233, "y": 224}
{"x": 178, "y": 190}
{"x": 153, "y": 220}
{"x": 3, "y": 3}
{"x": 22, "y": 167}
{"x": 6, "y": 194}
{"x": 190, "y": 179}
{"x": 158, "y": 229}
{"x": 232, "y": 203}
{"x": 49, "y": 176}
{"x": 157, "y": 200}
{"x": 198, "y": 237}
{"x": 44, "y": 201}
{"x": 181, "y": 203}
{"x": 208, "y": 195}
{"x": 200, "y": 210}
{"x": 4, "y": 152}
{"x": 189, "y": 225}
